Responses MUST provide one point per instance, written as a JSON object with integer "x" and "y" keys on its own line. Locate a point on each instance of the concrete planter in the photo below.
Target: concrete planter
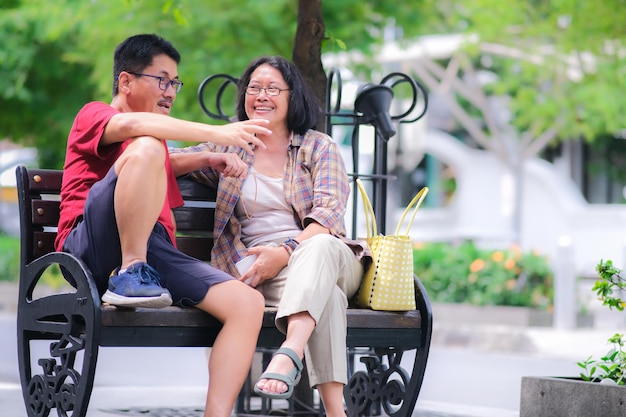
{"x": 570, "y": 397}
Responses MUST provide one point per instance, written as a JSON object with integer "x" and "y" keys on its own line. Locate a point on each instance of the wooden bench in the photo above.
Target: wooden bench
{"x": 76, "y": 323}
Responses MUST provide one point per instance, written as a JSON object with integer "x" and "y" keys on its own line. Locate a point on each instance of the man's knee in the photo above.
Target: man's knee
{"x": 142, "y": 151}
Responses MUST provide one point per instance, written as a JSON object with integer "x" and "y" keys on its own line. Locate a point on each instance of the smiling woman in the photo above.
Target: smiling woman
{"x": 288, "y": 212}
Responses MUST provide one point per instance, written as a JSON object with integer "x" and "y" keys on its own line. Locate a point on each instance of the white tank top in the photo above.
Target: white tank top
{"x": 263, "y": 211}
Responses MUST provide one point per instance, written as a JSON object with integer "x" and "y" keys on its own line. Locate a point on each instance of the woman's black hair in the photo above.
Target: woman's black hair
{"x": 304, "y": 108}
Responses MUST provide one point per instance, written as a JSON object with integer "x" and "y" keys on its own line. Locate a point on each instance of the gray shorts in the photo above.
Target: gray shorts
{"x": 96, "y": 242}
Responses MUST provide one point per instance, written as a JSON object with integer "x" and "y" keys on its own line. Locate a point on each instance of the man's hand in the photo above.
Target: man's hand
{"x": 229, "y": 164}
{"x": 243, "y": 134}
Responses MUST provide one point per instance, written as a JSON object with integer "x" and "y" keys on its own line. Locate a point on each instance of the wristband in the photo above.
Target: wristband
{"x": 290, "y": 245}
{"x": 287, "y": 248}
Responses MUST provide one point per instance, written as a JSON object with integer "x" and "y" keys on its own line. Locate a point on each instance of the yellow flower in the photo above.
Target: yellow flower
{"x": 509, "y": 263}
{"x": 472, "y": 278}
{"x": 497, "y": 256}
{"x": 510, "y": 284}
{"x": 477, "y": 265}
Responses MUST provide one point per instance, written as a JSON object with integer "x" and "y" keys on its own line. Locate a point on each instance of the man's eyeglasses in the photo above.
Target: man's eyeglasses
{"x": 164, "y": 82}
{"x": 270, "y": 91}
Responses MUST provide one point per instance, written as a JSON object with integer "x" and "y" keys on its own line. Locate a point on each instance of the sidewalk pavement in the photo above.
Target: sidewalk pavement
{"x": 454, "y": 337}
{"x": 168, "y": 401}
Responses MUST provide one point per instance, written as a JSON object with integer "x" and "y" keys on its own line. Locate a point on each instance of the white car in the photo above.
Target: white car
{"x": 9, "y": 160}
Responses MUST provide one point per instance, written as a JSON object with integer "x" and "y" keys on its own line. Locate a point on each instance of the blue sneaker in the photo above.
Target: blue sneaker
{"x": 138, "y": 286}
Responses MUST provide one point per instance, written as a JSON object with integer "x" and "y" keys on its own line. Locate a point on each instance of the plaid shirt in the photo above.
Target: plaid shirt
{"x": 315, "y": 184}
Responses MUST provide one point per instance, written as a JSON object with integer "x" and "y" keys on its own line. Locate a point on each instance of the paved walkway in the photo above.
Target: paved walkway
{"x": 188, "y": 401}
{"x": 474, "y": 370}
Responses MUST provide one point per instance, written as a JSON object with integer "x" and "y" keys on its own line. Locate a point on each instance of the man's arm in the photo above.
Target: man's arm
{"x": 229, "y": 164}
{"x": 132, "y": 124}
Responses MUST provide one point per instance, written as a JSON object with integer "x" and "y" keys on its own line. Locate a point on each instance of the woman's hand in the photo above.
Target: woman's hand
{"x": 270, "y": 260}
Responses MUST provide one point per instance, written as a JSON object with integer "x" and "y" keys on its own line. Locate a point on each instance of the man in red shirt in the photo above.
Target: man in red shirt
{"x": 116, "y": 199}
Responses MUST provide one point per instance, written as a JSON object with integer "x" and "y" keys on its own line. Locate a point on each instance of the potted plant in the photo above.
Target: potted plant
{"x": 600, "y": 389}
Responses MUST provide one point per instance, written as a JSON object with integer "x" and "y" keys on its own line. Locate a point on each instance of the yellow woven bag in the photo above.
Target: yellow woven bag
{"x": 388, "y": 283}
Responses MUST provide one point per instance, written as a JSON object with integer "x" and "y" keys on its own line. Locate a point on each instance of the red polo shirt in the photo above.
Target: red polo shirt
{"x": 86, "y": 163}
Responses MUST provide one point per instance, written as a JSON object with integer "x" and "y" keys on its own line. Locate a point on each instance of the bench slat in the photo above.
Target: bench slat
{"x": 44, "y": 243}
{"x": 198, "y": 247}
{"x": 45, "y": 213}
{"x": 194, "y": 218}
{"x": 191, "y": 317}
{"x": 192, "y": 190}
{"x": 175, "y": 337}
{"x": 47, "y": 181}
{"x": 142, "y": 336}
{"x": 191, "y": 327}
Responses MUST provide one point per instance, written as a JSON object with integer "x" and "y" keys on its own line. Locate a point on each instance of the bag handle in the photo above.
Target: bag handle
{"x": 417, "y": 202}
{"x": 370, "y": 219}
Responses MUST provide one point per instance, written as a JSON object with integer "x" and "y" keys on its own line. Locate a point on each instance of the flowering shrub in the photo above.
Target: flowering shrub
{"x": 464, "y": 273}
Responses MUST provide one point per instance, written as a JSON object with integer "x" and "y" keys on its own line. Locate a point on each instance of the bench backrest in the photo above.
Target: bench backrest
{"x": 38, "y": 198}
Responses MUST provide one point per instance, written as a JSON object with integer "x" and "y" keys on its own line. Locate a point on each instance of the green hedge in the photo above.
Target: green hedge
{"x": 464, "y": 273}
{"x": 9, "y": 258}
{"x": 10, "y": 264}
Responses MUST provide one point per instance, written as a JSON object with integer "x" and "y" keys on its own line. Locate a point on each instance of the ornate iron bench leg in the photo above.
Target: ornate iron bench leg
{"x": 70, "y": 321}
{"x": 381, "y": 386}
{"x": 386, "y": 384}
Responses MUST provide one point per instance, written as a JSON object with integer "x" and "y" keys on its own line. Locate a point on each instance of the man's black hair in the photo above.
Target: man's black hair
{"x": 137, "y": 52}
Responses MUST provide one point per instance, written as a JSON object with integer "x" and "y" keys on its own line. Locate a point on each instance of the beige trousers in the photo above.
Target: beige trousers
{"x": 321, "y": 276}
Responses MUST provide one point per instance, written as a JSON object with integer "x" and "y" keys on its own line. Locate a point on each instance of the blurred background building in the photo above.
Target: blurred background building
{"x": 560, "y": 201}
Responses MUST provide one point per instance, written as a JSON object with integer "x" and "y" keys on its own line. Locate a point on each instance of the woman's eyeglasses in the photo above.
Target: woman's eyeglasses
{"x": 270, "y": 91}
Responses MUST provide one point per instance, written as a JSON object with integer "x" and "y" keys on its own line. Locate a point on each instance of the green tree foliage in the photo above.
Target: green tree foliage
{"x": 57, "y": 55}
{"x": 39, "y": 89}
{"x": 558, "y": 60}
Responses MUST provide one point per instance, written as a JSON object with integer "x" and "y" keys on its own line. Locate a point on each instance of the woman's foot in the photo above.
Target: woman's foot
{"x": 281, "y": 375}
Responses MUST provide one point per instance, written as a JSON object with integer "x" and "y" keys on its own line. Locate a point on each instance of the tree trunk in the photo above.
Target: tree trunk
{"x": 307, "y": 55}
{"x": 307, "y": 49}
